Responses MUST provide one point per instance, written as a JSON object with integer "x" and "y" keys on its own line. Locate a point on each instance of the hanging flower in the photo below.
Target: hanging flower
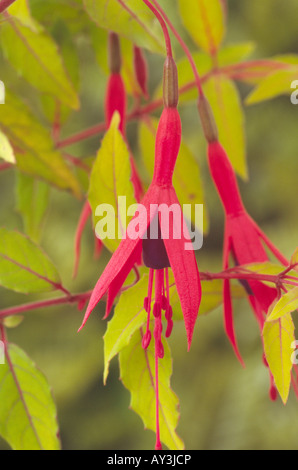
{"x": 163, "y": 243}
{"x": 243, "y": 239}
{"x": 115, "y": 100}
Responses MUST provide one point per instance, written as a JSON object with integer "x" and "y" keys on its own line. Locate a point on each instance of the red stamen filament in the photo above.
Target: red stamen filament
{"x": 159, "y": 286}
{"x": 147, "y": 305}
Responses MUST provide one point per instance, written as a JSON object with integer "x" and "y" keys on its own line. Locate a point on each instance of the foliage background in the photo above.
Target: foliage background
{"x": 222, "y": 405}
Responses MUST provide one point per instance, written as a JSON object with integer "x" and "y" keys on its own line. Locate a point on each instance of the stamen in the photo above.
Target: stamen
{"x": 159, "y": 351}
{"x": 147, "y": 306}
{"x": 169, "y": 310}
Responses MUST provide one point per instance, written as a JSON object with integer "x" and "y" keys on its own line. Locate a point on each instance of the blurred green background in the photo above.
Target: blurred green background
{"x": 223, "y": 406}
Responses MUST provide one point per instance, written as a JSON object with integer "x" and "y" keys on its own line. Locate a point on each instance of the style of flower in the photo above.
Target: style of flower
{"x": 159, "y": 252}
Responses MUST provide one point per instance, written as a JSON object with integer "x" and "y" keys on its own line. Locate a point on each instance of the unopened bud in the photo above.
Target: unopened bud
{"x": 207, "y": 119}
{"x": 141, "y": 70}
{"x": 170, "y": 83}
{"x": 114, "y": 54}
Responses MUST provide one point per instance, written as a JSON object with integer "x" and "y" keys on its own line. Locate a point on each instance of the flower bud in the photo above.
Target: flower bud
{"x": 170, "y": 83}
{"x": 207, "y": 119}
{"x": 141, "y": 70}
{"x": 114, "y": 53}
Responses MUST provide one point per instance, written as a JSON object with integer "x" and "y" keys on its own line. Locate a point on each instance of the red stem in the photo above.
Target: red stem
{"x": 184, "y": 47}
{"x": 7, "y": 312}
{"x": 5, "y": 166}
{"x": 4, "y": 4}
{"x": 205, "y": 276}
{"x": 163, "y": 25}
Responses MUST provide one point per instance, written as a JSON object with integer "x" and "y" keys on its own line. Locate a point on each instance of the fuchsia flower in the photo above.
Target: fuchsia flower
{"x": 242, "y": 240}
{"x": 115, "y": 100}
{"x": 158, "y": 254}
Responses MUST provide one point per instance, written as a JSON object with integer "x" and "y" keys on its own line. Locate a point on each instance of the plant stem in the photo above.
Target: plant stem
{"x": 235, "y": 71}
{"x": 233, "y": 273}
{"x": 5, "y": 166}
{"x": 16, "y": 310}
{"x": 183, "y": 45}
{"x": 163, "y": 25}
{"x": 4, "y": 4}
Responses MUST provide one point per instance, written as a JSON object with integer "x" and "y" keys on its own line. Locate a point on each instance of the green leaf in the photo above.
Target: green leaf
{"x": 205, "y": 22}
{"x": 187, "y": 179}
{"x": 226, "y": 104}
{"x": 20, "y": 11}
{"x": 27, "y": 411}
{"x": 278, "y": 337}
{"x": 24, "y": 267}
{"x": 35, "y": 56}
{"x": 109, "y": 180}
{"x": 275, "y": 84}
{"x": 235, "y": 53}
{"x": 270, "y": 269}
{"x": 34, "y": 148}
{"x": 128, "y": 317}
{"x": 32, "y": 198}
{"x": 138, "y": 24}
{"x": 286, "y": 304}
{"x": 137, "y": 372}
{"x": 6, "y": 150}
{"x": 13, "y": 321}
{"x": 212, "y": 295}
{"x": 294, "y": 260}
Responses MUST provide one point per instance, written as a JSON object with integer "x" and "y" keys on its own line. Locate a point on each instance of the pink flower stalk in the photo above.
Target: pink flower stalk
{"x": 163, "y": 252}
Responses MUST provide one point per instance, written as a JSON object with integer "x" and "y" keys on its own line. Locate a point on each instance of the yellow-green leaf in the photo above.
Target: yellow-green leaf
{"x": 34, "y": 148}
{"x": 129, "y": 316}
{"x": 28, "y": 416}
{"x": 6, "y": 150}
{"x": 20, "y": 10}
{"x": 225, "y": 101}
{"x": 32, "y": 198}
{"x": 24, "y": 267}
{"x": 205, "y": 22}
{"x": 137, "y": 372}
{"x": 294, "y": 260}
{"x": 278, "y": 337}
{"x": 275, "y": 84}
{"x": 286, "y": 304}
{"x": 110, "y": 185}
{"x": 135, "y": 22}
{"x": 35, "y": 56}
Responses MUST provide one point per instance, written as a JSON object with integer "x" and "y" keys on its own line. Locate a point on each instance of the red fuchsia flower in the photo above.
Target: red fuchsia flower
{"x": 115, "y": 100}
{"x": 243, "y": 239}
{"x": 163, "y": 252}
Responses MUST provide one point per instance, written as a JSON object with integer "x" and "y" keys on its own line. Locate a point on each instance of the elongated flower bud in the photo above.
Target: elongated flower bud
{"x": 170, "y": 83}
{"x": 207, "y": 119}
{"x": 141, "y": 70}
{"x": 114, "y": 53}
